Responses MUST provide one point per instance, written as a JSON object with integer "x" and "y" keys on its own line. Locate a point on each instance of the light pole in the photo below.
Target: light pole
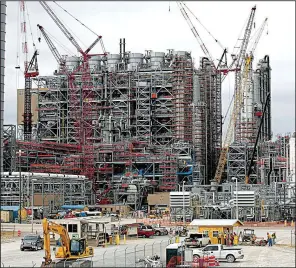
{"x": 184, "y": 215}
{"x": 233, "y": 178}
{"x": 32, "y": 203}
{"x": 20, "y": 187}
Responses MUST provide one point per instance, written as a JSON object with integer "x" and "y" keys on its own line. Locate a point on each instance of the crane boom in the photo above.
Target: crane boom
{"x": 238, "y": 60}
{"x": 230, "y": 130}
{"x": 195, "y": 33}
{"x": 258, "y": 36}
{"x": 61, "y": 26}
{"x": 52, "y": 47}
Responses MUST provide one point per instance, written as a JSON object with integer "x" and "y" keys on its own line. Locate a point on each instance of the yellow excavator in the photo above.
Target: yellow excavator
{"x": 69, "y": 251}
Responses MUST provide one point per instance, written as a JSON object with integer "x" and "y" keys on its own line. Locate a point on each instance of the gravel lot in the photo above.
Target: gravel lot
{"x": 280, "y": 255}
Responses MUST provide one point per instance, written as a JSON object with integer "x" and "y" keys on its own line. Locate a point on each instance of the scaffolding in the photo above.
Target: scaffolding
{"x": 208, "y": 119}
{"x": 9, "y": 148}
{"x": 50, "y": 190}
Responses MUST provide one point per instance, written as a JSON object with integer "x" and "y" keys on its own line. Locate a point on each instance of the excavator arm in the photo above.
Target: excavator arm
{"x": 62, "y": 232}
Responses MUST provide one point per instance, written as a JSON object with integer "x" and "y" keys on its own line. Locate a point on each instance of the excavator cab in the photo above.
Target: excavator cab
{"x": 78, "y": 246}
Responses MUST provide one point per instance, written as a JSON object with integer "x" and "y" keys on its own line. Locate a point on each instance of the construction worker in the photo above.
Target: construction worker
{"x": 225, "y": 238}
{"x": 269, "y": 240}
{"x": 220, "y": 238}
{"x": 235, "y": 239}
{"x": 273, "y": 236}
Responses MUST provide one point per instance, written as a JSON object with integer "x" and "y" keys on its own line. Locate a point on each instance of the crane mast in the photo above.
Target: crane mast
{"x": 238, "y": 102}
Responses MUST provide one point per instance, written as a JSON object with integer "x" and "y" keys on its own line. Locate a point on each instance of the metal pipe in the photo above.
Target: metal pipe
{"x": 3, "y": 34}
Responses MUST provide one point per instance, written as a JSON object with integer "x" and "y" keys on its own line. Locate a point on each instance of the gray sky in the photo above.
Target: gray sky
{"x": 150, "y": 26}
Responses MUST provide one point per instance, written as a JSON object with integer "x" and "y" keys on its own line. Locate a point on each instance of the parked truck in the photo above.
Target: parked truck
{"x": 197, "y": 240}
{"x": 229, "y": 254}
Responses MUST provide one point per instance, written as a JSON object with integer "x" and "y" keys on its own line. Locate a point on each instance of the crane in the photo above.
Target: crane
{"x": 230, "y": 130}
{"x": 195, "y": 33}
{"x": 68, "y": 34}
{"x": 237, "y": 60}
{"x": 61, "y": 61}
{"x": 253, "y": 48}
{"x": 71, "y": 249}
{"x": 31, "y": 71}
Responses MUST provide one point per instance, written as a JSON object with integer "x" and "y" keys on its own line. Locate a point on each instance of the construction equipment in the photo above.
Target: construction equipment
{"x": 30, "y": 72}
{"x": 238, "y": 103}
{"x": 247, "y": 235}
{"x": 241, "y": 81}
{"x": 70, "y": 249}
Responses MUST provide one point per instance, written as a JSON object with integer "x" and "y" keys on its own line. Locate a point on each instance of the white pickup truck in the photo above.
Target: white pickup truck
{"x": 229, "y": 254}
{"x": 197, "y": 240}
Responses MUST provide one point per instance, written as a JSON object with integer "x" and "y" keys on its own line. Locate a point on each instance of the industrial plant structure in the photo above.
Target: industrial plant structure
{"x": 112, "y": 128}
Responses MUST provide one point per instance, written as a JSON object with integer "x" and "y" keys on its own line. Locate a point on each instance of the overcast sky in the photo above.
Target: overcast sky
{"x": 151, "y": 26}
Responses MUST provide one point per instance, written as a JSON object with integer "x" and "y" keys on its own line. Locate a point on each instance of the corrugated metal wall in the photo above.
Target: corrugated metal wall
{"x": 3, "y": 32}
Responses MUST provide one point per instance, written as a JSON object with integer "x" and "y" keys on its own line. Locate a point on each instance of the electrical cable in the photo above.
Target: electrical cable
{"x": 76, "y": 19}
{"x": 34, "y": 46}
{"x": 216, "y": 40}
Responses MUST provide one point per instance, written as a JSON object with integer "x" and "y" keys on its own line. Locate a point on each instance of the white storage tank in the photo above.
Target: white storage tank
{"x": 112, "y": 61}
{"x": 95, "y": 62}
{"x": 156, "y": 59}
{"x": 72, "y": 63}
{"x": 132, "y": 188}
{"x": 180, "y": 53}
{"x": 134, "y": 60}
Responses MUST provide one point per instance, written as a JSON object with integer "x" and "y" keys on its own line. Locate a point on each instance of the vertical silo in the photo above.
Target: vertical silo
{"x": 3, "y": 32}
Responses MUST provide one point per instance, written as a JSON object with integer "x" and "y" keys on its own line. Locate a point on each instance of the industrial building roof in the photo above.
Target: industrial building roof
{"x": 215, "y": 222}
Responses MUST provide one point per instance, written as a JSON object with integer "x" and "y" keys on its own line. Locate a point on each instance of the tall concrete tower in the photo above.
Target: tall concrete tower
{"x": 3, "y": 33}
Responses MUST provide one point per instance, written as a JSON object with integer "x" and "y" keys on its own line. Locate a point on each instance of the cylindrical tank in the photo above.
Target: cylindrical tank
{"x": 156, "y": 59}
{"x": 112, "y": 61}
{"x": 181, "y": 53}
{"x": 132, "y": 188}
{"x": 3, "y": 33}
{"x": 135, "y": 60}
{"x": 72, "y": 63}
{"x": 95, "y": 62}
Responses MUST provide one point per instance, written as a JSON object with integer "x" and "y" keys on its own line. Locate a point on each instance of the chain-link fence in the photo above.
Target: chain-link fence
{"x": 130, "y": 255}
{"x": 293, "y": 238}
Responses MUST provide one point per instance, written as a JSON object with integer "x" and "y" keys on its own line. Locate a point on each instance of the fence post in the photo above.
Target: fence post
{"x": 104, "y": 258}
{"x": 145, "y": 250}
{"x": 160, "y": 253}
{"x": 136, "y": 254}
{"x": 152, "y": 248}
{"x": 125, "y": 256}
{"x": 115, "y": 257}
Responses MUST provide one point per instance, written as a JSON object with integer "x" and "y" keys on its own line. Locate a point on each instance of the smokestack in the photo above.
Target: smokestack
{"x": 123, "y": 47}
{"x": 3, "y": 33}
{"x": 120, "y": 48}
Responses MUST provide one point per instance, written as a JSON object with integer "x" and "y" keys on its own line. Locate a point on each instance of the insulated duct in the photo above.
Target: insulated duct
{"x": 3, "y": 32}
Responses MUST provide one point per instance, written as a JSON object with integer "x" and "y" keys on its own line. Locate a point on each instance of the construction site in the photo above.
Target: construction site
{"x": 116, "y": 127}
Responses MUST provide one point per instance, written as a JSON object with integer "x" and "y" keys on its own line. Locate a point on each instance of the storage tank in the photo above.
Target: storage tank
{"x": 180, "y": 53}
{"x": 72, "y": 63}
{"x": 132, "y": 188}
{"x": 95, "y": 63}
{"x": 112, "y": 61}
{"x": 156, "y": 59}
{"x": 135, "y": 60}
